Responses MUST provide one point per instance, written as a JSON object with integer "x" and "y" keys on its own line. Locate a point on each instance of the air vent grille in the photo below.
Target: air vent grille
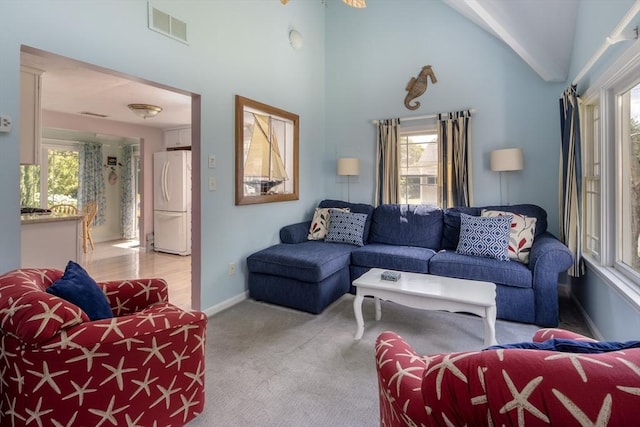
{"x": 166, "y": 24}
{"x": 89, "y": 113}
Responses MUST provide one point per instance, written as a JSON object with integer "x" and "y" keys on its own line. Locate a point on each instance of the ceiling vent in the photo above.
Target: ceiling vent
{"x": 166, "y": 24}
{"x": 89, "y": 113}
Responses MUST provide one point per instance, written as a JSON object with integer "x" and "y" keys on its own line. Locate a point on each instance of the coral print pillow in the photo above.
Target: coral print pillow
{"x": 319, "y": 224}
{"x": 523, "y": 229}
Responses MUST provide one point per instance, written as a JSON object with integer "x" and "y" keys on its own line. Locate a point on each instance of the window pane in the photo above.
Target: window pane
{"x": 62, "y": 179}
{"x": 419, "y": 168}
{"x": 30, "y": 185}
{"x": 629, "y": 160}
{"x": 592, "y": 181}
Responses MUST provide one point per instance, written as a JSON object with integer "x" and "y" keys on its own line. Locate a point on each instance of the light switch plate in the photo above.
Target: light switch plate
{"x": 212, "y": 161}
{"x": 212, "y": 183}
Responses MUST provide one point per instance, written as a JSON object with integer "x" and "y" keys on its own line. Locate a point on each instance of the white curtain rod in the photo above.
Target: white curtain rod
{"x": 428, "y": 116}
{"x": 615, "y": 37}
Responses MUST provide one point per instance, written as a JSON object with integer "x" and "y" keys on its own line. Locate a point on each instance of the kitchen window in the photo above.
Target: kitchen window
{"x": 54, "y": 181}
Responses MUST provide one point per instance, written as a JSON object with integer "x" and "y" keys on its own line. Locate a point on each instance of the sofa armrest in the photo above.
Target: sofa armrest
{"x": 549, "y": 253}
{"x": 400, "y": 371}
{"x": 139, "y": 327}
{"x": 131, "y": 296}
{"x": 548, "y": 258}
{"x": 295, "y": 233}
{"x": 545, "y": 334}
{"x": 555, "y": 388}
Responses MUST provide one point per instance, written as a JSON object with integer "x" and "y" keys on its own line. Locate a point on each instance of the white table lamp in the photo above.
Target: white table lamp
{"x": 348, "y": 166}
{"x": 505, "y": 160}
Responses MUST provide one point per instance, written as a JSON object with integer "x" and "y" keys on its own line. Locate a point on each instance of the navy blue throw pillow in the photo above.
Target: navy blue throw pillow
{"x": 565, "y": 345}
{"x": 77, "y": 287}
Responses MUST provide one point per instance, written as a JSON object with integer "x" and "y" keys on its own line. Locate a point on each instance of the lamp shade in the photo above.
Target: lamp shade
{"x": 507, "y": 159}
{"x": 349, "y": 166}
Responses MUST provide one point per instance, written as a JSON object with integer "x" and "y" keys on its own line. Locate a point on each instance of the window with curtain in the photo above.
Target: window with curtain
{"x": 426, "y": 162}
{"x": 611, "y": 192}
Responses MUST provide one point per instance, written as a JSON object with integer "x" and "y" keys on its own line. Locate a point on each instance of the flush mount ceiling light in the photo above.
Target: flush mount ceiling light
{"x": 145, "y": 110}
{"x": 355, "y": 3}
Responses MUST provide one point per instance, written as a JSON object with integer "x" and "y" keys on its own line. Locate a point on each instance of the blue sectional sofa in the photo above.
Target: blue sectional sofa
{"x": 311, "y": 274}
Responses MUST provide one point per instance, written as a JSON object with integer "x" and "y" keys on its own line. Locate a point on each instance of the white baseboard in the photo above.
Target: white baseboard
{"x": 226, "y": 304}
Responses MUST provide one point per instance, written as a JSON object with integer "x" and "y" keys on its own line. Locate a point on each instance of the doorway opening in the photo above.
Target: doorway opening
{"x": 68, "y": 104}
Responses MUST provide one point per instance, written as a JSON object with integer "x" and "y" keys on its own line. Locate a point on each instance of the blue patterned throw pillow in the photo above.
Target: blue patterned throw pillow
{"x": 346, "y": 227}
{"x": 485, "y": 236}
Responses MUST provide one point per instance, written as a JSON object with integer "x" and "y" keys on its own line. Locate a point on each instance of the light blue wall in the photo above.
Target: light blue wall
{"x": 613, "y": 315}
{"x": 372, "y": 54}
{"x": 236, "y": 47}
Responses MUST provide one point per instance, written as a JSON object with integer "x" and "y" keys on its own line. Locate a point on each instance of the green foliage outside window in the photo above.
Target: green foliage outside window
{"x": 62, "y": 180}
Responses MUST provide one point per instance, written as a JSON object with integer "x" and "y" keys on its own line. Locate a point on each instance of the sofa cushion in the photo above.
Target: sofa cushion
{"x": 409, "y": 225}
{"x": 362, "y": 208}
{"x": 309, "y": 261}
{"x": 485, "y": 236}
{"x": 452, "y": 264}
{"x": 571, "y": 346}
{"x": 346, "y": 227}
{"x": 319, "y": 223}
{"x": 451, "y": 230}
{"x": 393, "y": 257}
{"x": 521, "y": 236}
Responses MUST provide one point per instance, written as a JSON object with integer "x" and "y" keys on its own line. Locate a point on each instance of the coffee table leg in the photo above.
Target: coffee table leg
{"x": 378, "y": 308}
{"x": 357, "y": 311}
{"x": 490, "y": 326}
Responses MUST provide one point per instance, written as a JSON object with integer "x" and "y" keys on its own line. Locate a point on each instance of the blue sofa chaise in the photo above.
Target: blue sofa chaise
{"x": 309, "y": 275}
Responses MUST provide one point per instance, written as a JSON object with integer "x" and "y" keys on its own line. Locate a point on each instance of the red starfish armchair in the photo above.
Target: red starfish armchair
{"x": 144, "y": 367}
{"x": 507, "y": 387}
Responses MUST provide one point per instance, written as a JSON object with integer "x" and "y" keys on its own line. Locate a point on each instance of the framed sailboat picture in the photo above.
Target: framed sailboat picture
{"x": 266, "y": 153}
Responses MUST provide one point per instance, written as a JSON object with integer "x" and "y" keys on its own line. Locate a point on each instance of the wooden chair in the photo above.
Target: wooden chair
{"x": 89, "y": 210}
{"x": 64, "y": 209}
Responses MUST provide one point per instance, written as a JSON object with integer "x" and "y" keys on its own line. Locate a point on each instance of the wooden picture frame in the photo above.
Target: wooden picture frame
{"x": 266, "y": 153}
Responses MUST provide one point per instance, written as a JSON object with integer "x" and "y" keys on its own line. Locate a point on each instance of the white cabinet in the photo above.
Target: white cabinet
{"x": 30, "y": 131}
{"x": 49, "y": 241}
{"x": 177, "y": 138}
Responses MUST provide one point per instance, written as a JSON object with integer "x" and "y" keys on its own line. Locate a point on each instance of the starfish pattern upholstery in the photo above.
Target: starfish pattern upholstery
{"x": 143, "y": 367}
{"x": 507, "y": 387}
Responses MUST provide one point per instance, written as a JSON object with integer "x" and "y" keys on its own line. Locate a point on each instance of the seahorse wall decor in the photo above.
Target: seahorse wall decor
{"x": 417, "y": 86}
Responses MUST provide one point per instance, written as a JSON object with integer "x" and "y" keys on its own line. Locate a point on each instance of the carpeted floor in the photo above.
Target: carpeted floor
{"x": 272, "y": 366}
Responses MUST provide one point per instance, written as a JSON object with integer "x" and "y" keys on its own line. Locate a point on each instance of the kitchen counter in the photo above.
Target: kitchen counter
{"x": 50, "y": 240}
{"x": 49, "y": 217}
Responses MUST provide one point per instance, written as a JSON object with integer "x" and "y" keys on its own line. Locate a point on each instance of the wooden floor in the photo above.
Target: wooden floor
{"x": 124, "y": 259}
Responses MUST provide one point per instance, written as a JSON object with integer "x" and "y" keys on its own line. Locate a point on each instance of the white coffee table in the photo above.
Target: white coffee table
{"x": 429, "y": 292}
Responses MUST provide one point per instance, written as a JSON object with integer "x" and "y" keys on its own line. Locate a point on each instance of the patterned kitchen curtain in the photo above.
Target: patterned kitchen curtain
{"x": 387, "y": 162}
{"x": 128, "y": 194}
{"x": 91, "y": 179}
{"x": 571, "y": 179}
{"x": 454, "y": 152}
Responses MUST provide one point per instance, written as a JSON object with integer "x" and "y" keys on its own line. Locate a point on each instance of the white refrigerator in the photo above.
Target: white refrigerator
{"x": 172, "y": 202}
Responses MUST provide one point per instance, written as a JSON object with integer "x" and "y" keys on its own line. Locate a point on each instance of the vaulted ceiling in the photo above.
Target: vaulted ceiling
{"x": 541, "y": 32}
